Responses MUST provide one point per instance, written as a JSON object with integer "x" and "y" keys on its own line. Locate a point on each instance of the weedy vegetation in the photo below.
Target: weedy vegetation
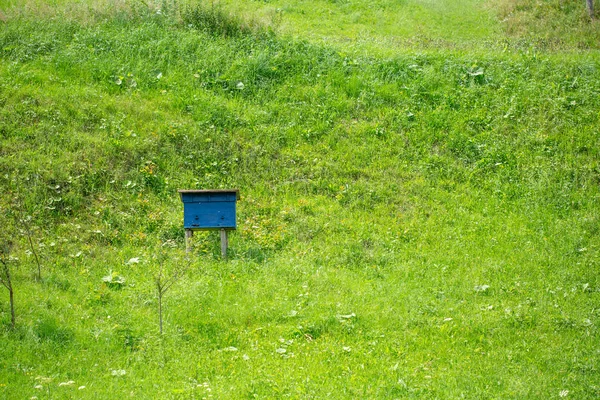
{"x": 419, "y": 217}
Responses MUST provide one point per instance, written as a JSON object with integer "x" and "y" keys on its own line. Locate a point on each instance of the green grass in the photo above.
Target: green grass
{"x": 416, "y": 221}
{"x": 452, "y": 20}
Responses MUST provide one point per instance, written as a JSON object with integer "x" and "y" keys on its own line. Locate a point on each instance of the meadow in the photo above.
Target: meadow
{"x": 419, "y": 213}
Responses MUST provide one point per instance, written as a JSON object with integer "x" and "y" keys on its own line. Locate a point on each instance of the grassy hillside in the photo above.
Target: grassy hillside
{"x": 416, "y": 221}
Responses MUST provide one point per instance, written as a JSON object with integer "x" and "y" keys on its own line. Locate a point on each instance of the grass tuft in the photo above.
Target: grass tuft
{"x": 216, "y": 21}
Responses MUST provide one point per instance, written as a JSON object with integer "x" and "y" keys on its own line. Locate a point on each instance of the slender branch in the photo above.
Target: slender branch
{"x": 26, "y": 221}
{"x": 37, "y": 260}
{"x": 5, "y": 280}
{"x": 5, "y": 284}
{"x": 173, "y": 279}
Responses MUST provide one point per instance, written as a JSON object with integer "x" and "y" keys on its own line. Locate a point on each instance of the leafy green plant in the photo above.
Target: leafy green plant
{"x": 113, "y": 280}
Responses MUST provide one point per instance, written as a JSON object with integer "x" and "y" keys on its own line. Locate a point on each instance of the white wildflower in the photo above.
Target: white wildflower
{"x": 482, "y": 288}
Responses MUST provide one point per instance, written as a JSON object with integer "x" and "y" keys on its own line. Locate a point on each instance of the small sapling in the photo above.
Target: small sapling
{"x": 166, "y": 277}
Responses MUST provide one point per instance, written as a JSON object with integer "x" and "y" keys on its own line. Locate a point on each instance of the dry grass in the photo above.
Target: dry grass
{"x": 553, "y": 23}
{"x": 80, "y": 10}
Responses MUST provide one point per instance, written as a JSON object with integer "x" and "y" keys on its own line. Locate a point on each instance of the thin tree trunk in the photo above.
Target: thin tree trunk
{"x": 7, "y": 282}
{"x": 12, "y": 306}
{"x": 160, "y": 319}
{"x": 590, "y": 7}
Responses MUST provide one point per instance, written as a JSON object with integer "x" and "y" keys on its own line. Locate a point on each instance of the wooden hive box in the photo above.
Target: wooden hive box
{"x": 209, "y": 209}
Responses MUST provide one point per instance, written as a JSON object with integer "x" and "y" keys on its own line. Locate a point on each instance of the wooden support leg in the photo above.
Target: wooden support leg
{"x": 224, "y": 243}
{"x": 188, "y": 240}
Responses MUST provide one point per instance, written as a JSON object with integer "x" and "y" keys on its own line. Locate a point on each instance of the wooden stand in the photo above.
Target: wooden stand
{"x": 224, "y": 243}
{"x": 188, "y": 240}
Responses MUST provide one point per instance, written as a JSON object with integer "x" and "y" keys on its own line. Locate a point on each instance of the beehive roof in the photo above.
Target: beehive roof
{"x": 208, "y": 191}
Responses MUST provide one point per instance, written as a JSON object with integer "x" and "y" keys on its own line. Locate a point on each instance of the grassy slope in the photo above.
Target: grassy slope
{"x": 379, "y": 195}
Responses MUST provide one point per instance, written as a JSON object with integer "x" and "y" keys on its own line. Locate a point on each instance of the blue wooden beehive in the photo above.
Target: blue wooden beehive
{"x": 209, "y": 209}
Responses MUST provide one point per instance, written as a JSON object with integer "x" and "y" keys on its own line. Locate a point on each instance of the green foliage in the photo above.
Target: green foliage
{"x": 416, "y": 221}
